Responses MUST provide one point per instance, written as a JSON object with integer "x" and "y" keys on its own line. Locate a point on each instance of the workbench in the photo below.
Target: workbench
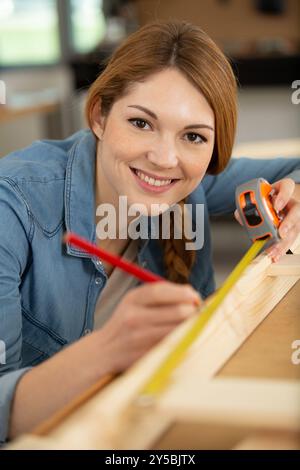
{"x": 248, "y": 399}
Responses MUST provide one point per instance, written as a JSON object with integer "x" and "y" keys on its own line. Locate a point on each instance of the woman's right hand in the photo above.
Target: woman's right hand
{"x": 143, "y": 317}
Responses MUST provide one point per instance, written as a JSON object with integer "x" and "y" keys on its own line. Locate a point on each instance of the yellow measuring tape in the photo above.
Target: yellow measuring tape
{"x": 159, "y": 379}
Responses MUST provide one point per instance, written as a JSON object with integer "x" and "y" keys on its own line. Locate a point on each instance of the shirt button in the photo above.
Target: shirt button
{"x": 87, "y": 331}
{"x": 98, "y": 263}
{"x": 98, "y": 281}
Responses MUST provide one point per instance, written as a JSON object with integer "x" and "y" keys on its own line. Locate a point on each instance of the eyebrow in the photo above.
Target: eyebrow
{"x": 153, "y": 115}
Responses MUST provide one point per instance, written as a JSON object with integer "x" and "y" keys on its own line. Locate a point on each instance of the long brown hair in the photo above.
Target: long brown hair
{"x": 190, "y": 50}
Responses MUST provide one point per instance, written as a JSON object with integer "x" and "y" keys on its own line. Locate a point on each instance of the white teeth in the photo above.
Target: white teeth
{"x": 152, "y": 181}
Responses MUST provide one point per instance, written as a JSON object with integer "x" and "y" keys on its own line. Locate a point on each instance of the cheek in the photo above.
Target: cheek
{"x": 124, "y": 148}
{"x": 196, "y": 168}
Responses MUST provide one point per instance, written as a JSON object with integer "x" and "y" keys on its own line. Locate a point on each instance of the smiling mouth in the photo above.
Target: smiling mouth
{"x": 152, "y": 180}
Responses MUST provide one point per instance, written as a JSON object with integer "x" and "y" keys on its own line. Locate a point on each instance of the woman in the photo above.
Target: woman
{"x": 162, "y": 120}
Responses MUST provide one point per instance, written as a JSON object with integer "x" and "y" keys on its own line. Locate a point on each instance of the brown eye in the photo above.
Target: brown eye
{"x": 196, "y": 138}
{"x": 140, "y": 123}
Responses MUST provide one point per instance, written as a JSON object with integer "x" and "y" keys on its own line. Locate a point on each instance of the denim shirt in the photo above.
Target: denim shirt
{"x": 48, "y": 291}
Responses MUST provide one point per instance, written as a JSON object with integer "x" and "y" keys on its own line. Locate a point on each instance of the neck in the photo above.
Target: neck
{"x": 104, "y": 195}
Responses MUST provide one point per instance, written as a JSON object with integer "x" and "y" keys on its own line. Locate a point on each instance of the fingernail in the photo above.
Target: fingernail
{"x": 279, "y": 204}
{"x": 284, "y": 231}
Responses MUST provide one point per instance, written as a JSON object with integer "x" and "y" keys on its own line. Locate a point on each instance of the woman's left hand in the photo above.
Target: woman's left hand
{"x": 289, "y": 228}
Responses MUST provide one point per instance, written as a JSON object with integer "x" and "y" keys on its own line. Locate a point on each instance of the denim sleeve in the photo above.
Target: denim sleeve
{"x": 15, "y": 229}
{"x": 220, "y": 189}
{"x": 8, "y": 383}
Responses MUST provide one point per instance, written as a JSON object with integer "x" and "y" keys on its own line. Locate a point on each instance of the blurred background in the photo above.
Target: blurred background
{"x": 52, "y": 50}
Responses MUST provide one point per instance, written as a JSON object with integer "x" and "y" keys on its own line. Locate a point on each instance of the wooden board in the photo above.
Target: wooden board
{"x": 111, "y": 420}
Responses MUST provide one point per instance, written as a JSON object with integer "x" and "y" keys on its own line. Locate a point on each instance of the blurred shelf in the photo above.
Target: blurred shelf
{"x": 268, "y": 149}
{"x": 8, "y": 113}
{"x": 267, "y": 71}
{"x": 250, "y": 71}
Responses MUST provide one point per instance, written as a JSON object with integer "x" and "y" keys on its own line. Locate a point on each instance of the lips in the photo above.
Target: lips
{"x": 152, "y": 175}
{"x": 153, "y": 183}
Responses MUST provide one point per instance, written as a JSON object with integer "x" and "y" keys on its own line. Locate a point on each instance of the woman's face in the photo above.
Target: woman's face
{"x": 156, "y": 143}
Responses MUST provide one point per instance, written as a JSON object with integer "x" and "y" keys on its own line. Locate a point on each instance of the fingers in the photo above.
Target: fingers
{"x": 161, "y": 316}
{"x": 163, "y": 293}
{"x": 284, "y": 191}
{"x": 144, "y": 316}
{"x": 145, "y": 339}
{"x": 139, "y": 342}
{"x": 172, "y": 315}
{"x": 289, "y": 230}
{"x": 279, "y": 249}
{"x": 291, "y": 221}
{"x": 237, "y": 216}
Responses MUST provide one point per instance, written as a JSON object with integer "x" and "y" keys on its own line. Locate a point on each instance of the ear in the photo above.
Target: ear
{"x": 97, "y": 119}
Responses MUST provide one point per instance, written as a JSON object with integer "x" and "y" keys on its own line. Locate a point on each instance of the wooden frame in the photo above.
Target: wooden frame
{"x": 113, "y": 419}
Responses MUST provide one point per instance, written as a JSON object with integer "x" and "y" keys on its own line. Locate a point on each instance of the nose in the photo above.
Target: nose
{"x": 164, "y": 154}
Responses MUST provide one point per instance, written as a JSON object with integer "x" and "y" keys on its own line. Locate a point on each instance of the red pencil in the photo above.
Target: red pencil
{"x": 131, "y": 268}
